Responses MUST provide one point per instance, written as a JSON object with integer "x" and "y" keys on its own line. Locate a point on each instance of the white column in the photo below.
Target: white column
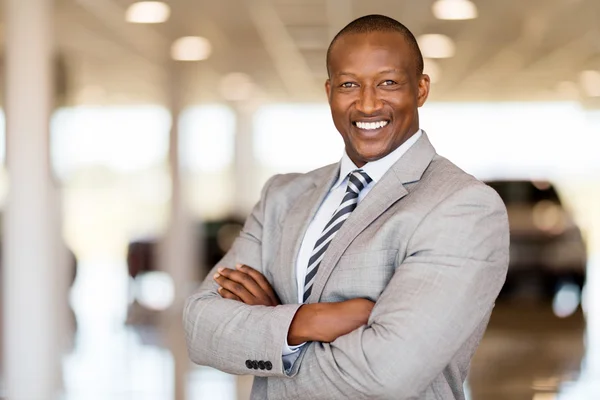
{"x": 247, "y": 189}
{"x": 29, "y": 274}
{"x": 176, "y": 256}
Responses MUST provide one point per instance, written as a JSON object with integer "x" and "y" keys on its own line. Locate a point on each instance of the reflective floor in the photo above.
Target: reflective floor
{"x": 527, "y": 353}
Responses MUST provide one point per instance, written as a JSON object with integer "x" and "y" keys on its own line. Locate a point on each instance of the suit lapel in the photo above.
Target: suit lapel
{"x": 384, "y": 194}
{"x": 296, "y": 223}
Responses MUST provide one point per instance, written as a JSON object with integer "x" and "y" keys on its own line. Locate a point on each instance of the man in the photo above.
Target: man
{"x": 321, "y": 298}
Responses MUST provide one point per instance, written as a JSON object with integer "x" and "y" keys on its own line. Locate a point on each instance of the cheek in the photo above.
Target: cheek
{"x": 337, "y": 112}
{"x": 404, "y": 112}
{"x": 339, "y": 109}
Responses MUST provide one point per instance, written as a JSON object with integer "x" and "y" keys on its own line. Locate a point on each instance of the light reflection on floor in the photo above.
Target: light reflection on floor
{"x": 109, "y": 360}
{"x": 527, "y": 352}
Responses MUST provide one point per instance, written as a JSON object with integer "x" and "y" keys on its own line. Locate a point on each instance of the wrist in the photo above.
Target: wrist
{"x": 302, "y": 327}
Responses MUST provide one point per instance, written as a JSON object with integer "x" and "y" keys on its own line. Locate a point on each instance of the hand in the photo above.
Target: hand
{"x": 247, "y": 285}
{"x": 325, "y": 322}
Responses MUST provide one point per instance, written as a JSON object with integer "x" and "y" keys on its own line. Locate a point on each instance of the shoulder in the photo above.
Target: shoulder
{"x": 282, "y": 191}
{"x": 292, "y": 183}
{"x": 445, "y": 181}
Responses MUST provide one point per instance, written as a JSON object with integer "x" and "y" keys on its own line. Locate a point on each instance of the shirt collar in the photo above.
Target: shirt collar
{"x": 375, "y": 169}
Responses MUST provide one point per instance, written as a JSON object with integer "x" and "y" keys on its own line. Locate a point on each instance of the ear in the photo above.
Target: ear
{"x": 328, "y": 88}
{"x": 424, "y": 84}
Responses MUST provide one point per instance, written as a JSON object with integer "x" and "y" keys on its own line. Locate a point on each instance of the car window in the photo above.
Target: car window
{"x": 524, "y": 192}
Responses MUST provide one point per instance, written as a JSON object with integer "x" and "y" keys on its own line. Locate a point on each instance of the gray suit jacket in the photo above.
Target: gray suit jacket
{"x": 429, "y": 244}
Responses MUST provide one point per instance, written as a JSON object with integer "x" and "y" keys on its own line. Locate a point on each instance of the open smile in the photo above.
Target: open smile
{"x": 370, "y": 125}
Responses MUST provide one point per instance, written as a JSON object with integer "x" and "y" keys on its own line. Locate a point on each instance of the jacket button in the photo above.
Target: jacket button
{"x": 261, "y": 365}
{"x": 254, "y": 364}
{"x": 268, "y": 365}
{"x": 248, "y": 364}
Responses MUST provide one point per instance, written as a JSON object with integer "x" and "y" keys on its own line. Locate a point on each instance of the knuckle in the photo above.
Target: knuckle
{"x": 237, "y": 287}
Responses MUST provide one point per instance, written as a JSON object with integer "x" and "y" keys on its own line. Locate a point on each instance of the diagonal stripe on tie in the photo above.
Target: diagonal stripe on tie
{"x": 357, "y": 181}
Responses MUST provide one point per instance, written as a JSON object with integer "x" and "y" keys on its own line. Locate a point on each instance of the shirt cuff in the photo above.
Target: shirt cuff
{"x": 287, "y": 349}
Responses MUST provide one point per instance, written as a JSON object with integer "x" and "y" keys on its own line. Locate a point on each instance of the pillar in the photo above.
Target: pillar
{"x": 247, "y": 189}
{"x": 177, "y": 250}
{"x": 29, "y": 252}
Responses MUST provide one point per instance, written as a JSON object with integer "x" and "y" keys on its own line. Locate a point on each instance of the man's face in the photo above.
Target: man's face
{"x": 374, "y": 93}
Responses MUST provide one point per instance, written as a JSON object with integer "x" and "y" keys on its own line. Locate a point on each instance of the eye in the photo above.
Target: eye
{"x": 348, "y": 85}
{"x": 388, "y": 82}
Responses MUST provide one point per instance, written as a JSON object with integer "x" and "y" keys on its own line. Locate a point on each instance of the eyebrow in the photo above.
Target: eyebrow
{"x": 388, "y": 71}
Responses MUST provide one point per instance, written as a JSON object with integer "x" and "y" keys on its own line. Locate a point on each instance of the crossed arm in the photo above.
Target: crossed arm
{"x": 437, "y": 298}
{"x": 319, "y": 322}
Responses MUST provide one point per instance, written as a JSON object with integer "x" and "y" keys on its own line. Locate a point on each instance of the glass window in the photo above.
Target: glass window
{"x": 207, "y": 138}
{"x": 207, "y": 150}
{"x": 124, "y": 139}
{"x": 500, "y": 140}
{"x": 296, "y": 137}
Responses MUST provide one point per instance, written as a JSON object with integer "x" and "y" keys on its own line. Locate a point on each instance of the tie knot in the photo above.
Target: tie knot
{"x": 358, "y": 180}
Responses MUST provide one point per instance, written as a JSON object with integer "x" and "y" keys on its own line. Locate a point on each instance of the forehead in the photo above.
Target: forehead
{"x": 373, "y": 49}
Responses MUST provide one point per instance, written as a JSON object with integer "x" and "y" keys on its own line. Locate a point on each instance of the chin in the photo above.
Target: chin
{"x": 369, "y": 156}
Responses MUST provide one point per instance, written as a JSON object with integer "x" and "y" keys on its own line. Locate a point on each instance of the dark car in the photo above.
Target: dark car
{"x": 547, "y": 249}
{"x": 214, "y": 240}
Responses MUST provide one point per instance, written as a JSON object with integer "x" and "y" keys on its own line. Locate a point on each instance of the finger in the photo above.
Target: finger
{"x": 226, "y": 294}
{"x": 234, "y": 287}
{"x": 260, "y": 279}
{"x": 247, "y": 281}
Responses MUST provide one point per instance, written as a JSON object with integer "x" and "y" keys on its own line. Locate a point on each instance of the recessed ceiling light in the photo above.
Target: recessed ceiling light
{"x": 590, "y": 82}
{"x": 436, "y": 46}
{"x": 148, "y": 12}
{"x": 454, "y": 9}
{"x": 191, "y": 48}
{"x": 432, "y": 69}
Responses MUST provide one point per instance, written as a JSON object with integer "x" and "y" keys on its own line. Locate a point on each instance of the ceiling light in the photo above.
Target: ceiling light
{"x": 432, "y": 69}
{"x": 236, "y": 86}
{"x": 436, "y": 46}
{"x": 191, "y": 48}
{"x": 148, "y": 12}
{"x": 454, "y": 9}
{"x": 590, "y": 82}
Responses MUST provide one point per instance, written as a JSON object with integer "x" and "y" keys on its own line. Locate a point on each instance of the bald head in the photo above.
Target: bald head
{"x": 379, "y": 23}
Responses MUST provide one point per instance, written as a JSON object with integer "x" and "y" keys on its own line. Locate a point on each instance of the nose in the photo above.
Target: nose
{"x": 368, "y": 102}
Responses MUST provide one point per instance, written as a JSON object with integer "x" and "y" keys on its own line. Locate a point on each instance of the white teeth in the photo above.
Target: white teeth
{"x": 371, "y": 125}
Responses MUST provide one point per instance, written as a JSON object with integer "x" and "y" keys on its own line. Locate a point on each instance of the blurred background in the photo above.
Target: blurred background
{"x": 135, "y": 138}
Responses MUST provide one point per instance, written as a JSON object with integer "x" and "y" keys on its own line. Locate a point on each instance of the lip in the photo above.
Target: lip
{"x": 366, "y": 120}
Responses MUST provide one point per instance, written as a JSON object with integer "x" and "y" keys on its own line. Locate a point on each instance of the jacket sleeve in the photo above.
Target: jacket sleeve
{"x": 232, "y": 336}
{"x": 442, "y": 292}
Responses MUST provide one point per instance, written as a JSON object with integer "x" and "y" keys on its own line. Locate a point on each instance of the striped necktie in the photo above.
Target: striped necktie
{"x": 357, "y": 181}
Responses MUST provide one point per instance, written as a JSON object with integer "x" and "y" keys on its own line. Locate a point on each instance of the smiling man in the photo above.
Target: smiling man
{"x": 373, "y": 278}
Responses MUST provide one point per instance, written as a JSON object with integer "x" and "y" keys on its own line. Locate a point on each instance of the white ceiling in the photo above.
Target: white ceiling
{"x": 515, "y": 50}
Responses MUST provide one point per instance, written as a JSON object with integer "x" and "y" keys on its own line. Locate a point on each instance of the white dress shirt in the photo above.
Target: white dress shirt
{"x": 376, "y": 170}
